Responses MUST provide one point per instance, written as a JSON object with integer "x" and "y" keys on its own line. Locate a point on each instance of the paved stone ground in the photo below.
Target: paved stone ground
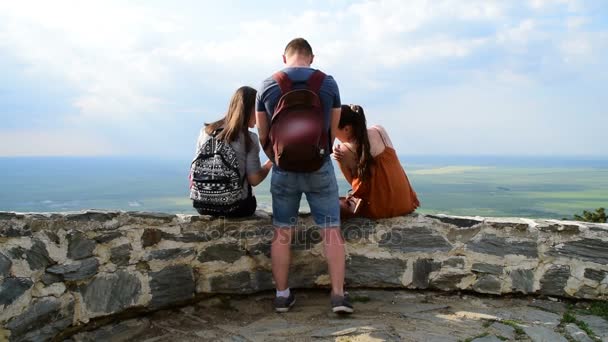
{"x": 380, "y": 316}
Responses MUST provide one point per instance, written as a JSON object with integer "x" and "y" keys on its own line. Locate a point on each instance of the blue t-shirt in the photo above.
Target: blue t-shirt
{"x": 270, "y": 93}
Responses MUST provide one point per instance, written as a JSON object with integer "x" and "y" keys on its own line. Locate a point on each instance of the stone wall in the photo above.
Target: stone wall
{"x": 59, "y": 271}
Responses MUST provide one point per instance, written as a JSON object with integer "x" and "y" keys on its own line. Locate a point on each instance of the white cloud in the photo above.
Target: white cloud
{"x": 54, "y": 143}
{"x": 572, "y": 5}
{"x": 576, "y": 22}
{"x": 126, "y": 61}
{"x": 486, "y": 118}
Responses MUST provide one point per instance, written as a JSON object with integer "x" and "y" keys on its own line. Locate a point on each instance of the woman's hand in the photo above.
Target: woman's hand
{"x": 267, "y": 165}
{"x": 338, "y": 155}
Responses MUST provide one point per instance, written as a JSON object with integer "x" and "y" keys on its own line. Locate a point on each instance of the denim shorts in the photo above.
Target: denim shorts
{"x": 320, "y": 188}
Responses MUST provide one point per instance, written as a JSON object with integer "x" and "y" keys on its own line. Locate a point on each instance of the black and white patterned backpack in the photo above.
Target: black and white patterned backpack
{"x": 217, "y": 185}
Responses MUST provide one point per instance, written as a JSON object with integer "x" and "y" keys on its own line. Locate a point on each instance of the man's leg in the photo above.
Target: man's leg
{"x": 280, "y": 254}
{"x": 334, "y": 251}
{"x": 285, "y": 204}
{"x": 322, "y": 196}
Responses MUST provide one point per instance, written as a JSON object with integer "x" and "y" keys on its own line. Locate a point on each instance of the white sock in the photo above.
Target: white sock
{"x": 284, "y": 293}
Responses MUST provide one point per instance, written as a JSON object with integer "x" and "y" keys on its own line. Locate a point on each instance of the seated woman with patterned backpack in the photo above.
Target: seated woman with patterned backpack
{"x": 227, "y": 162}
{"x": 380, "y": 187}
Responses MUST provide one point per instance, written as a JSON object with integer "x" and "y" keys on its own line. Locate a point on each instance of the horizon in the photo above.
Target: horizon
{"x": 513, "y": 187}
{"x": 446, "y": 78}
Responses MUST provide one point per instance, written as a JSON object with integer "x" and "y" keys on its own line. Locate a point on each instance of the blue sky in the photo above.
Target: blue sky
{"x": 444, "y": 77}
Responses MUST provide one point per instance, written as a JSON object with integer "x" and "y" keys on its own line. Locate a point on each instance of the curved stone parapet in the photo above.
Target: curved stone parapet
{"x": 59, "y": 271}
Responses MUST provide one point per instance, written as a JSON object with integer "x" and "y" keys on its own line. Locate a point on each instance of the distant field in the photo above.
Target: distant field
{"x": 484, "y": 188}
{"x": 503, "y": 191}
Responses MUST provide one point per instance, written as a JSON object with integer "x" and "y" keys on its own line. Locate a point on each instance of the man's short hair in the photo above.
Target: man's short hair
{"x": 299, "y": 46}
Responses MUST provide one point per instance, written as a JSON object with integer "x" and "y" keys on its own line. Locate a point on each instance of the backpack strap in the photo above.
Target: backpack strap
{"x": 283, "y": 81}
{"x": 315, "y": 81}
{"x": 381, "y": 135}
{"x": 216, "y": 132}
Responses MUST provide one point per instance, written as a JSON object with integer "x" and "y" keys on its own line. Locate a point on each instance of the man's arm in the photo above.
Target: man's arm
{"x": 263, "y": 132}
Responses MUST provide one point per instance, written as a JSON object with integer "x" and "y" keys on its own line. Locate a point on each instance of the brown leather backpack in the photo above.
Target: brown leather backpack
{"x": 297, "y": 130}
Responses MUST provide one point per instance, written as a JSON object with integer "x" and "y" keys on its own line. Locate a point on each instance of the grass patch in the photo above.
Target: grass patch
{"x": 515, "y": 325}
{"x": 476, "y": 337}
{"x": 570, "y": 318}
{"x": 599, "y": 309}
{"x": 449, "y": 170}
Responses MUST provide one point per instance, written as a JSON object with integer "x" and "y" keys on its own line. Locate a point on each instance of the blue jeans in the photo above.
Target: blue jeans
{"x": 321, "y": 189}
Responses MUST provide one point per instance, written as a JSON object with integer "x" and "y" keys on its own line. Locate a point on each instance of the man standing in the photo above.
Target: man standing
{"x": 319, "y": 184}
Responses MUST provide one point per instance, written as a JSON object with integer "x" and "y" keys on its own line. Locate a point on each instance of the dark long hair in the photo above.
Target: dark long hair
{"x": 353, "y": 115}
{"x": 237, "y": 117}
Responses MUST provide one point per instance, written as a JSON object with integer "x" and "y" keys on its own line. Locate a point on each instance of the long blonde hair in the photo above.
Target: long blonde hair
{"x": 237, "y": 117}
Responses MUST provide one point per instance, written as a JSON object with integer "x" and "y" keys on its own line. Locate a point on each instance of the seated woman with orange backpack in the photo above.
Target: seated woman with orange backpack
{"x": 380, "y": 187}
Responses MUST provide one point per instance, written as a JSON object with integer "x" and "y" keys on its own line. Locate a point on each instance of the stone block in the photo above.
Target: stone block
{"x": 172, "y": 253}
{"x": 365, "y": 271}
{"x": 598, "y": 325}
{"x": 78, "y": 270}
{"x": 587, "y": 291}
{"x": 554, "y": 280}
{"x": 42, "y": 320}
{"x": 13, "y": 288}
{"x": 92, "y": 216}
{"x": 227, "y": 252}
{"x": 9, "y": 216}
{"x": 522, "y": 281}
{"x": 415, "y": 239}
{"x": 53, "y": 237}
{"x": 110, "y": 293}
{"x": 358, "y": 230}
{"x": 263, "y": 280}
{"x": 261, "y": 247}
{"x": 559, "y": 228}
{"x": 500, "y": 246}
{"x": 121, "y": 255}
{"x": 504, "y": 330}
{"x": 488, "y": 283}
{"x": 79, "y": 246}
{"x": 48, "y": 279}
{"x": 577, "y": 334}
{"x": 457, "y": 262}
{"x": 596, "y": 275}
{"x": 171, "y": 285}
{"x": 232, "y": 283}
{"x": 448, "y": 281}
{"x": 542, "y": 334}
{"x": 150, "y": 237}
{"x": 304, "y": 239}
{"x": 10, "y": 228}
{"x": 593, "y": 250}
{"x": 5, "y": 265}
{"x": 305, "y": 272}
{"x": 107, "y": 237}
{"x": 188, "y": 237}
{"x": 487, "y": 268}
{"x": 37, "y": 256}
{"x": 422, "y": 270}
{"x": 457, "y": 221}
{"x": 118, "y": 332}
{"x": 162, "y": 217}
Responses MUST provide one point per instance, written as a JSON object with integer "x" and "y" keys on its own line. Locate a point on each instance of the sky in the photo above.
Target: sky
{"x": 444, "y": 77}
